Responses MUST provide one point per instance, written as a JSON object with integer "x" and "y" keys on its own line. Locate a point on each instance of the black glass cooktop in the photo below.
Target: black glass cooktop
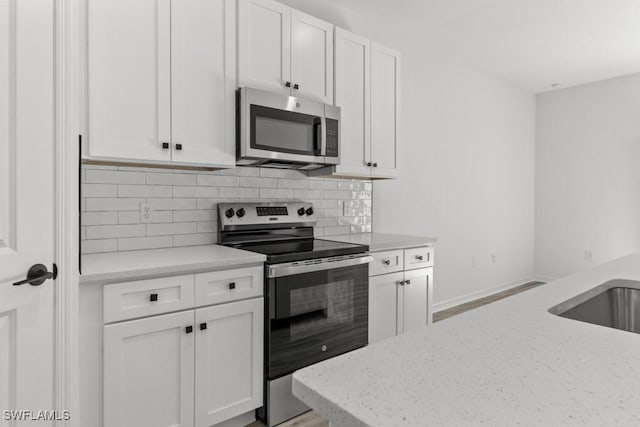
{"x": 297, "y": 250}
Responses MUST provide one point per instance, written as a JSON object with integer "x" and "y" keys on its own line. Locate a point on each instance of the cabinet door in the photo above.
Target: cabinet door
{"x": 264, "y": 45}
{"x": 385, "y": 109}
{"x": 229, "y": 343}
{"x": 415, "y": 299}
{"x": 129, "y": 79}
{"x": 383, "y": 306}
{"x": 203, "y": 85}
{"x": 311, "y": 57}
{"x": 352, "y": 95}
{"x": 148, "y": 372}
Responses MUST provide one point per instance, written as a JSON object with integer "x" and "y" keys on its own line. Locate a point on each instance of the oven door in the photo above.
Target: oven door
{"x": 316, "y": 315}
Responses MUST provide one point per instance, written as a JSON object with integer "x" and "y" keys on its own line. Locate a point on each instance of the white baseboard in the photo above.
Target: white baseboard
{"x": 482, "y": 293}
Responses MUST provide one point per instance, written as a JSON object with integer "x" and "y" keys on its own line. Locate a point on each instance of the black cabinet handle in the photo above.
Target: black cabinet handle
{"x": 153, "y": 297}
{"x": 287, "y": 84}
{"x": 369, "y": 164}
{"x": 407, "y": 282}
{"x": 37, "y": 274}
{"x": 375, "y": 165}
{"x": 189, "y": 329}
{"x": 296, "y": 86}
{"x": 419, "y": 257}
{"x": 203, "y": 326}
{"x": 178, "y": 147}
{"x": 386, "y": 262}
{"x": 165, "y": 145}
{"x": 232, "y": 285}
{"x": 401, "y": 283}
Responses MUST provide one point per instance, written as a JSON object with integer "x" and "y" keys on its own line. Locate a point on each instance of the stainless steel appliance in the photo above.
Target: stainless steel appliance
{"x": 288, "y": 132}
{"x": 316, "y": 293}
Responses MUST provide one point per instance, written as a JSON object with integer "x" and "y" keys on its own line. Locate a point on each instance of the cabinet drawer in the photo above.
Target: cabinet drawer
{"x": 229, "y": 285}
{"x": 418, "y": 258}
{"x": 386, "y": 262}
{"x": 147, "y": 297}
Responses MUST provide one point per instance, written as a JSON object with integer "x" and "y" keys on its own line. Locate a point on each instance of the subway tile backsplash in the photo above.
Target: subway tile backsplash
{"x": 184, "y": 204}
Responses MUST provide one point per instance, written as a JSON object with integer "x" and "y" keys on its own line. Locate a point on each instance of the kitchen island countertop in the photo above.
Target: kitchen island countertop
{"x": 507, "y": 363}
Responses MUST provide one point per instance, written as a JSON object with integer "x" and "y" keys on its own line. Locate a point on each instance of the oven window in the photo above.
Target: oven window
{"x": 318, "y": 309}
{"x": 285, "y": 131}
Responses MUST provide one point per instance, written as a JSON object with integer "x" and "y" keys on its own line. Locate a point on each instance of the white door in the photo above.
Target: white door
{"x": 229, "y": 354}
{"x": 203, "y": 76}
{"x": 311, "y": 57}
{"x": 383, "y": 306}
{"x": 415, "y": 299}
{"x": 148, "y": 372}
{"x": 26, "y": 205}
{"x": 353, "y": 89}
{"x": 264, "y": 45}
{"x": 385, "y": 109}
{"x": 129, "y": 66}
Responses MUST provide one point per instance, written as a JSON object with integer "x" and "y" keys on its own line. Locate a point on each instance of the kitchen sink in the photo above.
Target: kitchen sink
{"x": 614, "y": 304}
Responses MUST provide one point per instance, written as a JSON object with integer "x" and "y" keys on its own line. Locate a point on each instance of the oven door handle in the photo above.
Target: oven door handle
{"x": 288, "y": 269}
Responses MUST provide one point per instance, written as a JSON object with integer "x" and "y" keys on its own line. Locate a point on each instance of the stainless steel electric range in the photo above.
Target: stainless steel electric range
{"x": 316, "y": 293}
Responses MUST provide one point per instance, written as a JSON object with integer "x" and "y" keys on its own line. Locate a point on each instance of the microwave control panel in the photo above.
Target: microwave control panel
{"x": 332, "y": 138}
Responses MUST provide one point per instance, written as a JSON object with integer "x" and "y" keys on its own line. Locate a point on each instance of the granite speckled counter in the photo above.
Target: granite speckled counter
{"x": 137, "y": 265}
{"x": 384, "y": 242}
{"x": 508, "y": 363}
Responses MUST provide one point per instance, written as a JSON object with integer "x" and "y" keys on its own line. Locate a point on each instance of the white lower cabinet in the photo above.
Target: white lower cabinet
{"x": 196, "y": 367}
{"x": 148, "y": 372}
{"x": 399, "y": 301}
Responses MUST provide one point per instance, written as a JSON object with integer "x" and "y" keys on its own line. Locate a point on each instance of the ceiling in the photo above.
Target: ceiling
{"x": 534, "y": 43}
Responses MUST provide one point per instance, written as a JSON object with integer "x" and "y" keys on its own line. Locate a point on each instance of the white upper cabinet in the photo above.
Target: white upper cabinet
{"x": 385, "y": 105}
{"x": 129, "y": 62}
{"x": 353, "y": 94}
{"x": 285, "y": 51}
{"x": 161, "y": 81}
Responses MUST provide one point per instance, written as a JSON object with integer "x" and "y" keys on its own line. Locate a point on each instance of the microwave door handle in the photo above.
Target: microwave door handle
{"x": 323, "y": 136}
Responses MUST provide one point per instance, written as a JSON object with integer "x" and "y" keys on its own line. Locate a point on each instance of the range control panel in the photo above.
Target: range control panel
{"x": 249, "y": 215}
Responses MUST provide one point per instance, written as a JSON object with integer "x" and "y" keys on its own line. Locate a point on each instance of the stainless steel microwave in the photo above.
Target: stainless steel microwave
{"x": 281, "y": 131}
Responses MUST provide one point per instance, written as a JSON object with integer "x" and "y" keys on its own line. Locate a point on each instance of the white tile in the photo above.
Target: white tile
{"x": 360, "y": 195}
{"x": 138, "y": 243}
{"x": 173, "y": 204}
{"x": 144, "y": 191}
{"x": 239, "y": 193}
{"x": 134, "y": 217}
{"x": 282, "y": 173}
{"x": 130, "y": 217}
{"x": 276, "y": 193}
{"x": 154, "y": 178}
{"x": 360, "y": 229}
{"x": 351, "y": 185}
{"x": 99, "y": 190}
{"x": 308, "y": 194}
{"x": 334, "y": 231}
{"x": 293, "y": 183}
{"x": 218, "y": 181}
{"x": 207, "y": 192}
{"x": 172, "y": 228}
{"x": 195, "y": 239}
{"x": 195, "y": 215}
{"x": 249, "y": 181}
{"x": 240, "y": 171}
{"x": 99, "y": 218}
{"x": 207, "y": 227}
{"x": 99, "y": 246}
{"x": 113, "y": 204}
{"x": 112, "y": 231}
{"x": 329, "y": 194}
{"x": 323, "y": 184}
{"x": 327, "y": 222}
{"x": 114, "y": 177}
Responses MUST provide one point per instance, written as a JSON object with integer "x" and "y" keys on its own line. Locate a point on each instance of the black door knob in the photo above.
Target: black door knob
{"x": 301, "y": 211}
{"x": 287, "y": 84}
{"x": 369, "y": 164}
{"x": 178, "y": 147}
{"x": 229, "y": 213}
{"x": 165, "y": 145}
{"x": 37, "y": 274}
{"x": 296, "y": 86}
{"x": 240, "y": 212}
{"x": 309, "y": 211}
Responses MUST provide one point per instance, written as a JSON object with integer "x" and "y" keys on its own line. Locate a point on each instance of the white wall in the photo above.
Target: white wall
{"x": 587, "y": 175}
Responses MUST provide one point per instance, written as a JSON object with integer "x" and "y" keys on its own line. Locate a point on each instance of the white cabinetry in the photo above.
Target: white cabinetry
{"x": 284, "y": 50}
{"x": 197, "y": 367}
{"x": 161, "y": 81}
{"x": 399, "y": 300}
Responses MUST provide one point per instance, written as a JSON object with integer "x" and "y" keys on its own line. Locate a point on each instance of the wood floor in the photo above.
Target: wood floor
{"x": 311, "y": 419}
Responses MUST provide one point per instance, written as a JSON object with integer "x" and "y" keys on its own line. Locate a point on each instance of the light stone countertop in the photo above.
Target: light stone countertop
{"x": 384, "y": 242}
{"x": 504, "y": 364}
{"x": 136, "y": 265}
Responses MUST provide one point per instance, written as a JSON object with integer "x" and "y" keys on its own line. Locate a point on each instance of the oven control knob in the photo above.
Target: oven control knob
{"x": 229, "y": 213}
{"x": 309, "y": 211}
{"x": 301, "y": 211}
{"x": 240, "y": 212}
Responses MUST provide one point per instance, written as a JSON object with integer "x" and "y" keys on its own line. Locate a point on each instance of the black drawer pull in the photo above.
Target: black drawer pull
{"x": 153, "y": 297}
{"x": 407, "y": 282}
{"x": 386, "y": 262}
{"x": 203, "y": 326}
{"x": 165, "y": 145}
{"x": 189, "y": 329}
{"x": 178, "y": 147}
{"x": 419, "y": 257}
{"x": 232, "y": 285}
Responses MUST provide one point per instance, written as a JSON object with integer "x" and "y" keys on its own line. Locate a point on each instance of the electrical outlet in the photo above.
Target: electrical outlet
{"x": 588, "y": 256}
{"x": 493, "y": 258}
{"x": 146, "y": 212}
